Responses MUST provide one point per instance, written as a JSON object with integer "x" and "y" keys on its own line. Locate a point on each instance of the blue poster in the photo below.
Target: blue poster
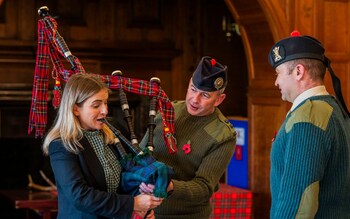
{"x": 237, "y": 170}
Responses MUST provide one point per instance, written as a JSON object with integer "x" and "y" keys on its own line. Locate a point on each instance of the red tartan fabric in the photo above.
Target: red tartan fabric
{"x": 231, "y": 202}
{"x": 149, "y": 89}
{"x": 38, "y": 111}
{"x": 48, "y": 47}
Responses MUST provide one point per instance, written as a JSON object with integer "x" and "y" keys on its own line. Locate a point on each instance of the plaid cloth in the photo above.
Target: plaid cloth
{"x": 38, "y": 110}
{"x": 145, "y": 169}
{"x": 149, "y": 89}
{"x": 48, "y": 46}
{"x": 109, "y": 162}
{"x": 230, "y": 202}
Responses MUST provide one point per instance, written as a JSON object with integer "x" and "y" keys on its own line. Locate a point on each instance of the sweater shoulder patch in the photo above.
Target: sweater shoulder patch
{"x": 316, "y": 112}
{"x": 308, "y": 205}
{"x": 220, "y": 128}
{"x": 178, "y": 105}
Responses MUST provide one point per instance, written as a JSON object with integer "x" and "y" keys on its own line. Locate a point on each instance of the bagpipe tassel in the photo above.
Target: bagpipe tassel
{"x": 170, "y": 141}
{"x": 57, "y": 93}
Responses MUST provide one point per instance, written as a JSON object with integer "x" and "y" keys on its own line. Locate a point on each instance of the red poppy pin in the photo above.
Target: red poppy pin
{"x": 187, "y": 147}
{"x": 274, "y": 136}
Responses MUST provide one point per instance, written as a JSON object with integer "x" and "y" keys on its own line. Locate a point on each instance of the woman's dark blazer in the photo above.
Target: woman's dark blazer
{"x": 82, "y": 188}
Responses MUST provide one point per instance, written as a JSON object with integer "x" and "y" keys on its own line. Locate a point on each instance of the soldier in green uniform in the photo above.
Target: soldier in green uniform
{"x": 310, "y": 155}
{"x": 205, "y": 143}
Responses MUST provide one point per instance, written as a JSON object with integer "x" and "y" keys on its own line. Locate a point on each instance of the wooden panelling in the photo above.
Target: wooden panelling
{"x": 303, "y": 17}
{"x": 277, "y": 16}
{"x": 265, "y": 113}
{"x": 8, "y": 26}
{"x": 334, "y": 30}
{"x": 108, "y": 35}
{"x": 12, "y": 70}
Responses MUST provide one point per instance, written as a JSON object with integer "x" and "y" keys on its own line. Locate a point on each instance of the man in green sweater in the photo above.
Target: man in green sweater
{"x": 310, "y": 155}
{"x": 205, "y": 142}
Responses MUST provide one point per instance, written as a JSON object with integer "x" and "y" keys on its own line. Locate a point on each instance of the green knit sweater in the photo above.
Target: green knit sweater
{"x": 212, "y": 142}
{"x": 310, "y": 162}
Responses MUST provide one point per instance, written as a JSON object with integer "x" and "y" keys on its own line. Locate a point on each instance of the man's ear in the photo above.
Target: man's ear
{"x": 219, "y": 100}
{"x": 300, "y": 71}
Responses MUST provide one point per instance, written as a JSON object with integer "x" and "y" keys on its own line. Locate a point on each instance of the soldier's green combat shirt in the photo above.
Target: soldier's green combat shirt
{"x": 212, "y": 141}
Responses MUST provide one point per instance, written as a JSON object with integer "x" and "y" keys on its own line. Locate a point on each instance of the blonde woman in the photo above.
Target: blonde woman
{"x": 85, "y": 165}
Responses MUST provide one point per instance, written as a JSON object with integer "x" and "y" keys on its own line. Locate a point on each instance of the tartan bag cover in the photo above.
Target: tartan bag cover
{"x": 148, "y": 170}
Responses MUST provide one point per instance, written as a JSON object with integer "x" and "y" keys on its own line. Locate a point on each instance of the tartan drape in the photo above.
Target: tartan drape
{"x": 49, "y": 47}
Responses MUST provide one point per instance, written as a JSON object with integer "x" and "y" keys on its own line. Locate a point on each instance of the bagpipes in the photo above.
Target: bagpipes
{"x": 139, "y": 166}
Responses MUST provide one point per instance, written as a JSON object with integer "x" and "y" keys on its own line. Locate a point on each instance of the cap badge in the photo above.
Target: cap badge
{"x": 218, "y": 83}
{"x": 276, "y": 54}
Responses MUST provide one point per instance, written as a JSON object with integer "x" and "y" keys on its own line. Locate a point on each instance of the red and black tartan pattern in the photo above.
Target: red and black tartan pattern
{"x": 38, "y": 111}
{"x": 231, "y": 202}
{"x": 48, "y": 47}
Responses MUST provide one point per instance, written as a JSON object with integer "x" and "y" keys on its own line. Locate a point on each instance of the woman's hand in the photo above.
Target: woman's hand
{"x": 146, "y": 188}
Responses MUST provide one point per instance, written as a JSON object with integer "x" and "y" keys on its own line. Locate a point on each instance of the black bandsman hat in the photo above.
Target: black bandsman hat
{"x": 304, "y": 47}
{"x": 209, "y": 75}
{"x": 296, "y": 47}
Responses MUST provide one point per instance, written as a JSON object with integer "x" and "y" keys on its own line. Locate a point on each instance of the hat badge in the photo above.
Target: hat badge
{"x": 218, "y": 83}
{"x": 276, "y": 54}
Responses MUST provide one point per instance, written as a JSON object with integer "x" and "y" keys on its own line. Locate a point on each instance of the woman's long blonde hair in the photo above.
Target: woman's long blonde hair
{"x": 66, "y": 126}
